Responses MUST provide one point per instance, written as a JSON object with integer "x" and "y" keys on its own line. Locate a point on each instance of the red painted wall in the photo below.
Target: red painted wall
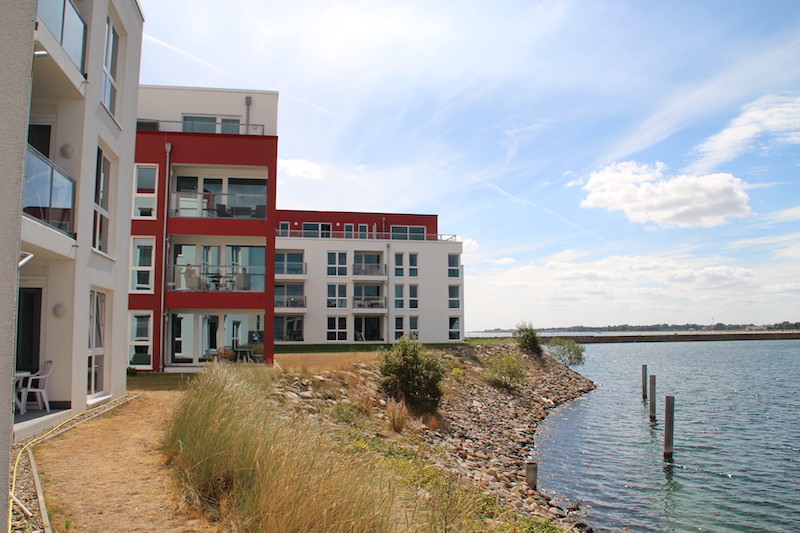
{"x": 337, "y": 219}
{"x": 205, "y": 149}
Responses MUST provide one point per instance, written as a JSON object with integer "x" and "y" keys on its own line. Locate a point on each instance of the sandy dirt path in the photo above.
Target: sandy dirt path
{"x": 107, "y": 475}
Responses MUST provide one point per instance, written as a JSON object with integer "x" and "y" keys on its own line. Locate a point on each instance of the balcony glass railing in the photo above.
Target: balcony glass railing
{"x": 371, "y": 235}
{"x": 369, "y": 270}
{"x": 290, "y": 301}
{"x": 196, "y": 125}
{"x": 216, "y": 278}
{"x": 290, "y": 268}
{"x": 218, "y": 205}
{"x": 48, "y": 192}
{"x": 66, "y": 24}
{"x": 369, "y": 302}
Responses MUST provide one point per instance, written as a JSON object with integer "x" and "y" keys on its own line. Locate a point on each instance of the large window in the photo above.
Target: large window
{"x": 337, "y": 295}
{"x": 453, "y": 295}
{"x": 367, "y": 264}
{"x": 453, "y": 267}
{"x": 102, "y": 186}
{"x": 398, "y": 327}
{"x": 110, "y": 68}
{"x": 289, "y": 295}
{"x": 316, "y": 229}
{"x": 337, "y": 328}
{"x": 142, "y": 264}
{"x": 398, "y": 265}
{"x": 289, "y": 328}
{"x": 405, "y": 233}
{"x": 289, "y": 263}
{"x": 211, "y": 124}
{"x": 398, "y": 296}
{"x": 144, "y": 191}
{"x": 97, "y": 338}
{"x": 413, "y": 269}
{"x": 337, "y": 263}
{"x": 413, "y": 297}
{"x": 454, "y": 329}
{"x": 140, "y": 340}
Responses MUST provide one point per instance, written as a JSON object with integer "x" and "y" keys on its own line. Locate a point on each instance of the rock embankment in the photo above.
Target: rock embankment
{"x": 481, "y": 433}
{"x": 488, "y": 432}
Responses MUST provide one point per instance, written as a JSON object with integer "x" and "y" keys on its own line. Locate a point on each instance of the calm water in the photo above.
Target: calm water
{"x": 737, "y": 439}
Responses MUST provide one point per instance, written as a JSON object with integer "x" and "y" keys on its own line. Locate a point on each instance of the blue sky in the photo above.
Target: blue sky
{"x": 604, "y": 162}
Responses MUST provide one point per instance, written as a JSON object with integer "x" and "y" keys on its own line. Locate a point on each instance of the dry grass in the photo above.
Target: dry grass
{"x": 306, "y": 363}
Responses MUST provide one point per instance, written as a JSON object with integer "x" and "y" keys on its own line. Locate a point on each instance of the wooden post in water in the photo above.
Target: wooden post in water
{"x": 644, "y": 382}
{"x": 652, "y": 397}
{"x": 669, "y": 425}
{"x": 531, "y": 472}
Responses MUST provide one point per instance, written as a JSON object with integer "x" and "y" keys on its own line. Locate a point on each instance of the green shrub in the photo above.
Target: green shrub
{"x": 528, "y": 338}
{"x": 505, "y": 371}
{"x": 565, "y": 351}
{"x": 413, "y": 375}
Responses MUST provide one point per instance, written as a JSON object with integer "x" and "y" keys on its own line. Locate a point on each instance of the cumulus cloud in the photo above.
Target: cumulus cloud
{"x": 776, "y": 118}
{"x": 646, "y": 194}
{"x": 299, "y": 168}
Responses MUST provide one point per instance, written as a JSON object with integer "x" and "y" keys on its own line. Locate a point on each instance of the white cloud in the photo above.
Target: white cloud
{"x": 646, "y": 194}
{"x": 470, "y": 246}
{"x": 298, "y": 168}
{"x": 791, "y": 214}
{"x": 504, "y": 261}
{"x": 775, "y": 116}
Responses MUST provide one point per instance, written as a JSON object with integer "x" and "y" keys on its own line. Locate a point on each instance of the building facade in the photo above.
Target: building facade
{"x": 75, "y": 224}
{"x": 366, "y": 277}
{"x": 203, "y": 220}
{"x": 217, "y": 271}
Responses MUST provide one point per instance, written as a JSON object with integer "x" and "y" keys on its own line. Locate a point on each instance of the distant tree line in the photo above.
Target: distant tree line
{"x": 667, "y": 327}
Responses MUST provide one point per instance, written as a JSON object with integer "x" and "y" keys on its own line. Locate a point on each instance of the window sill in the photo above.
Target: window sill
{"x": 110, "y": 114}
{"x": 103, "y": 254}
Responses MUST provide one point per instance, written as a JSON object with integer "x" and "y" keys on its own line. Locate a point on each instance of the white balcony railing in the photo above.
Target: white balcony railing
{"x": 370, "y": 235}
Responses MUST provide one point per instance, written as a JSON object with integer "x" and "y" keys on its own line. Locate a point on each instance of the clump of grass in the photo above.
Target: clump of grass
{"x": 258, "y": 472}
{"x": 397, "y": 412}
{"x": 505, "y": 371}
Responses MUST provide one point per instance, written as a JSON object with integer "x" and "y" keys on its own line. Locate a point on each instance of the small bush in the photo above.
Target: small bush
{"x": 505, "y": 371}
{"x": 528, "y": 338}
{"x": 566, "y": 351}
{"x": 412, "y": 374}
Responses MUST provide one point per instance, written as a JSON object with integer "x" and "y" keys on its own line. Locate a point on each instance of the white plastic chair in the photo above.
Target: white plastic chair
{"x": 37, "y": 384}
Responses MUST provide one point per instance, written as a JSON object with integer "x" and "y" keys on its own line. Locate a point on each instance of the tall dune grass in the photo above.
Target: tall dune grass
{"x": 258, "y": 472}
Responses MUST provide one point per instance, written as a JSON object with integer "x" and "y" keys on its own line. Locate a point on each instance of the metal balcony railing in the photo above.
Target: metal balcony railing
{"x": 289, "y": 268}
{"x": 360, "y": 269}
{"x": 290, "y": 301}
{"x": 365, "y": 235}
{"x": 216, "y": 278}
{"x": 48, "y": 193}
{"x": 369, "y": 302}
{"x": 226, "y": 126}
{"x": 66, "y": 24}
{"x": 218, "y": 205}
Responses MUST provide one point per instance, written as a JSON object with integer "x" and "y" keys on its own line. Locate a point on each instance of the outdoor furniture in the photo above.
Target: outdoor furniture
{"x": 19, "y": 383}
{"x": 226, "y": 353}
{"x": 37, "y": 384}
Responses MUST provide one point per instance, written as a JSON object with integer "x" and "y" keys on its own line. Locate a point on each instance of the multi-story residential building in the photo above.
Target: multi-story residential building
{"x": 217, "y": 270}
{"x": 75, "y": 226}
{"x": 366, "y": 277}
{"x": 203, "y": 224}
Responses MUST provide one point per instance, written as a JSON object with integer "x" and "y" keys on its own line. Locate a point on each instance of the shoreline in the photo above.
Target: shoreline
{"x": 488, "y": 432}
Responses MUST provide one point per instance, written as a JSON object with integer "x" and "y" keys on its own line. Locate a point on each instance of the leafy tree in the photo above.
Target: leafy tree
{"x": 528, "y": 338}
{"x": 566, "y": 351}
{"x": 413, "y": 375}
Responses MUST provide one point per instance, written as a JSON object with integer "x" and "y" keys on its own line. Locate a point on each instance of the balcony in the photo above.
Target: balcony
{"x": 215, "y": 278}
{"x": 218, "y": 205}
{"x": 369, "y": 302}
{"x": 361, "y": 269}
{"x": 200, "y": 125}
{"x": 290, "y": 301}
{"x": 67, "y": 26}
{"x": 290, "y": 269}
{"x": 48, "y": 193}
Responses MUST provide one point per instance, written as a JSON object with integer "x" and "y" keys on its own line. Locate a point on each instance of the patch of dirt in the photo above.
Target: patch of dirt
{"x": 108, "y": 474}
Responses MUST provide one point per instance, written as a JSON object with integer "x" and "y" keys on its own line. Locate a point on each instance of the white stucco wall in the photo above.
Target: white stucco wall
{"x": 16, "y": 42}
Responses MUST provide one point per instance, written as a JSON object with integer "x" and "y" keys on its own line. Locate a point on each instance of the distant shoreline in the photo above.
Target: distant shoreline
{"x": 663, "y": 337}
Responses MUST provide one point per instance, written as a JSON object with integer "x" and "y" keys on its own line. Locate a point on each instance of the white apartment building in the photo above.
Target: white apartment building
{"x": 76, "y": 204}
{"x": 366, "y": 277}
